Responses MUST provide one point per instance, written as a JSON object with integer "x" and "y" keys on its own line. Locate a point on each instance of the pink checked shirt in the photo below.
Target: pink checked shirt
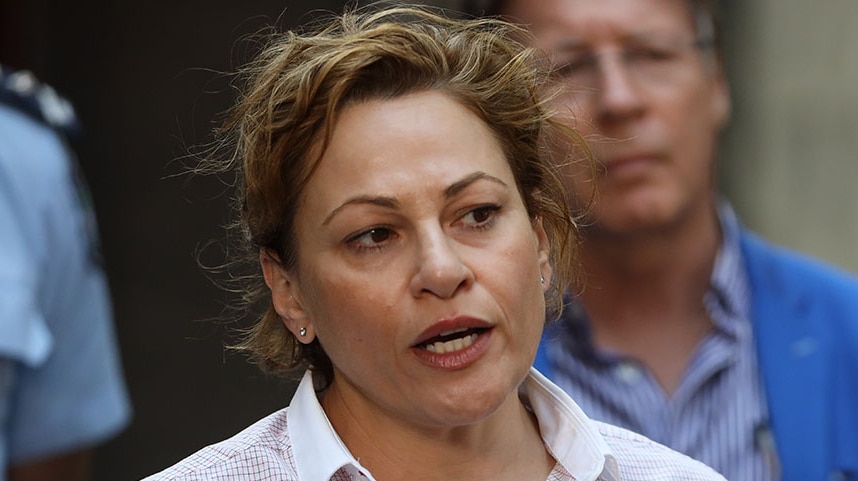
{"x": 298, "y": 444}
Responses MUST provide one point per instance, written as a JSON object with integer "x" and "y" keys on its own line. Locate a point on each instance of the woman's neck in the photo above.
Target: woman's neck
{"x": 506, "y": 445}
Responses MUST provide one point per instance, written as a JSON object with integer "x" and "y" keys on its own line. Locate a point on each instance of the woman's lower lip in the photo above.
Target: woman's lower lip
{"x": 452, "y": 361}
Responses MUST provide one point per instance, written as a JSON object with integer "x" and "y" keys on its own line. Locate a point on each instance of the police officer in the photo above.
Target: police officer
{"x": 61, "y": 385}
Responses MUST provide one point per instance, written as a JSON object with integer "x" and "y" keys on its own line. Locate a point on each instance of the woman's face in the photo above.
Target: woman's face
{"x": 419, "y": 268}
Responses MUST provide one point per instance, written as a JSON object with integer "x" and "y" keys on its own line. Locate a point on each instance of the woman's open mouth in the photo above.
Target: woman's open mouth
{"x": 452, "y": 341}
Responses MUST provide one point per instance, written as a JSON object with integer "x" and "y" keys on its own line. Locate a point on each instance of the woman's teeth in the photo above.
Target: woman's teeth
{"x": 452, "y": 345}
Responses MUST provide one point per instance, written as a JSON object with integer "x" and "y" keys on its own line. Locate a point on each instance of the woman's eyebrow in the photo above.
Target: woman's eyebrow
{"x": 379, "y": 200}
{"x": 457, "y": 187}
{"x": 391, "y": 203}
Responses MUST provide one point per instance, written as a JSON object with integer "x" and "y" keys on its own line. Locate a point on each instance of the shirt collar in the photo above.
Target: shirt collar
{"x": 319, "y": 451}
{"x": 729, "y": 282}
{"x": 570, "y": 436}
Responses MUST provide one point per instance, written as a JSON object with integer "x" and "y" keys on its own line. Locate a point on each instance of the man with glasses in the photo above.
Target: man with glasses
{"x": 688, "y": 328}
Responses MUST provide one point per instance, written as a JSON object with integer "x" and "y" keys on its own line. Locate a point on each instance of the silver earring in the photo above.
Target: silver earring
{"x": 542, "y": 280}
{"x": 302, "y": 332}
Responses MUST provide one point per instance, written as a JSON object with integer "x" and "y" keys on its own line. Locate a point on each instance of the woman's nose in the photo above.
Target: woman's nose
{"x": 440, "y": 269}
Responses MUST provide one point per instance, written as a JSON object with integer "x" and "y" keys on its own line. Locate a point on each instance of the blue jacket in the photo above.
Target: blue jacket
{"x": 805, "y": 317}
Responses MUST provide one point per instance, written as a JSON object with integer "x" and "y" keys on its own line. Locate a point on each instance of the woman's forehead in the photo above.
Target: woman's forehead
{"x": 405, "y": 143}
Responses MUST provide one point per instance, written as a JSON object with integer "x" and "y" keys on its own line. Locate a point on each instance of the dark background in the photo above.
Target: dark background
{"x": 146, "y": 81}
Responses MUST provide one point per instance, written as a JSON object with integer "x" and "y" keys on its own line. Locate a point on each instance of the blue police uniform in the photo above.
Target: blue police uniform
{"x": 61, "y": 383}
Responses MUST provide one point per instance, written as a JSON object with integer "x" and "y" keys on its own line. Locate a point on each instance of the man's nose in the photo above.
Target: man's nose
{"x": 618, "y": 92}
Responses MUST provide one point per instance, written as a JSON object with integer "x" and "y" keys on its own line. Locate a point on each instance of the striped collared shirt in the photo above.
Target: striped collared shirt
{"x": 717, "y": 414}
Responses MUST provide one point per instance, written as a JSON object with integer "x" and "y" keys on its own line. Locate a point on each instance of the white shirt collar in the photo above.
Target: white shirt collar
{"x": 571, "y": 437}
{"x": 319, "y": 451}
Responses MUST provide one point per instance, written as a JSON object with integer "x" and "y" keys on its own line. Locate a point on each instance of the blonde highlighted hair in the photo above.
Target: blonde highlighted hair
{"x": 294, "y": 89}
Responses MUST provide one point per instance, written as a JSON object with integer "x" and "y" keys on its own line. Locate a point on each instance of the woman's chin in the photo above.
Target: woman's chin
{"x": 473, "y": 401}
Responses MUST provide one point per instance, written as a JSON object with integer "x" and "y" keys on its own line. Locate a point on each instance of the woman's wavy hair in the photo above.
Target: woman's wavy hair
{"x": 292, "y": 92}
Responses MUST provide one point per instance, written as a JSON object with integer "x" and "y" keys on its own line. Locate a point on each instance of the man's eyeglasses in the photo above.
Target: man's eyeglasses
{"x": 649, "y": 62}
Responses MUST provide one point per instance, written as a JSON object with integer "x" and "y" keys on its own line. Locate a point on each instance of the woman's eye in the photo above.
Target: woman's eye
{"x": 371, "y": 238}
{"x": 481, "y": 216}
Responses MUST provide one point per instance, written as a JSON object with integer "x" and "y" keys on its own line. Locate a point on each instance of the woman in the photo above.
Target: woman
{"x": 395, "y": 190}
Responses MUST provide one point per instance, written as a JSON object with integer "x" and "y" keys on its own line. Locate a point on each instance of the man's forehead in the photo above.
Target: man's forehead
{"x": 587, "y": 18}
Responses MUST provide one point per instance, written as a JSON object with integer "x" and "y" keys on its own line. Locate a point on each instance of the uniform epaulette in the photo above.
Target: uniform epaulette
{"x": 21, "y": 90}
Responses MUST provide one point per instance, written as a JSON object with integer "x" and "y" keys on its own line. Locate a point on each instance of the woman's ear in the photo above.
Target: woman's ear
{"x": 285, "y": 297}
{"x": 543, "y": 252}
